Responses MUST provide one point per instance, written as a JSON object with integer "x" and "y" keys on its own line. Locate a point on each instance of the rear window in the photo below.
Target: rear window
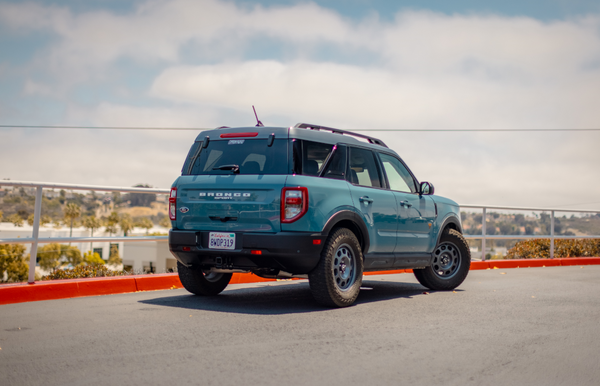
{"x": 250, "y": 156}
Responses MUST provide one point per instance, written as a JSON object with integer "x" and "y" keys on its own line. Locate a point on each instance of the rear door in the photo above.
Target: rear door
{"x": 376, "y": 204}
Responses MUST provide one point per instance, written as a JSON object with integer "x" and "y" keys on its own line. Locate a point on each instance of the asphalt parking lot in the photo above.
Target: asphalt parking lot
{"x": 529, "y": 326}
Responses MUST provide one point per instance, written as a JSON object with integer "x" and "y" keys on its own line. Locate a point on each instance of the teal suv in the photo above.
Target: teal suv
{"x": 312, "y": 202}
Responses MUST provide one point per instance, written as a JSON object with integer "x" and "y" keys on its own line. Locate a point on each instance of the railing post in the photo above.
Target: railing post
{"x": 483, "y": 235}
{"x": 552, "y": 235}
{"x": 37, "y": 213}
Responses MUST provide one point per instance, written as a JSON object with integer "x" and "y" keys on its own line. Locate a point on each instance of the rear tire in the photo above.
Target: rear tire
{"x": 450, "y": 263}
{"x": 336, "y": 280}
{"x": 200, "y": 283}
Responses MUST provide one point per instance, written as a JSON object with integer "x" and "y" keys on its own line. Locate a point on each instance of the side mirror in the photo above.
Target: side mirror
{"x": 426, "y": 188}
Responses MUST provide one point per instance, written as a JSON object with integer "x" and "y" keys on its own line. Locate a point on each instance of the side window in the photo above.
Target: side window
{"x": 363, "y": 169}
{"x": 398, "y": 176}
{"x": 337, "y": 166}
{"x": 309, "y": 156}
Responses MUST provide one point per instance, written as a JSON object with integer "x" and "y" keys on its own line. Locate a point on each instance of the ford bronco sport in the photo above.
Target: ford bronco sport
{"x": 311, "y": 202}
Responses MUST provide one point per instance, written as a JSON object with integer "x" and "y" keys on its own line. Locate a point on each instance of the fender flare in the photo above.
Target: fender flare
{"x": 451, "y": 221}
{"x": 349, "y": 216}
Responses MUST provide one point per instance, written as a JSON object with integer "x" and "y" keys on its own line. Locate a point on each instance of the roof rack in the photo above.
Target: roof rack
{"x": 338, "y": 131}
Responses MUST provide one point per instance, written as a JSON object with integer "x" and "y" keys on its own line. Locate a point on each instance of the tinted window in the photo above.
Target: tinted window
{"x": 309, "y": 157}
{"x": 398, "y": 176}
{"x": 336, "y": 167}
{"x": 363, "y": 168}
{"x": 252, "y": 156}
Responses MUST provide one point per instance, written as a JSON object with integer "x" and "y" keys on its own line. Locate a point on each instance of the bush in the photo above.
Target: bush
{"x": 83, "y": 271}
{"x": 540, "y": 249}
{"x": 13, "y": 263}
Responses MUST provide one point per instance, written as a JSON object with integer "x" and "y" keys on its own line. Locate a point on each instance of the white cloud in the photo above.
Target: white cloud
{"x": 382, "y": 98}
{"x": 423, "y": 70}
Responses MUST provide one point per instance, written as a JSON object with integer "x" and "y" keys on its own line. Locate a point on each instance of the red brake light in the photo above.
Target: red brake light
{"x": 294, "y": 203}
{"x": 173, "y": 204}
{"x": 293, "y": 200}
{"x": 238, "y": 135}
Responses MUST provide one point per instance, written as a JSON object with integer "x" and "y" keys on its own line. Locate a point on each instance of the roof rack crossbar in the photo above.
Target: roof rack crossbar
{"x": 338, "y": 131}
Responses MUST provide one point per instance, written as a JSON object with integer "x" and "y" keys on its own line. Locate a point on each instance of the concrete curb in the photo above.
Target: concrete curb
{"x": 73, "y": 288}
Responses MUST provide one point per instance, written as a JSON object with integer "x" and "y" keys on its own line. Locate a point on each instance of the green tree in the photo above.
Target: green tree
{"x": 54, "y": 255}
{"x": 49, "y": 256}
{"x": 125, "y": 223}
{"x": 16, "y": 220}
{"x": 72, "y": 255}
{"x": 144, "y": 223}
{"x": 45, "y": 219}
{"x": 165, "y": 222}
{"x": 111, "y": 223}
{"x": 71, "y": 212}
{"x": 114, "y": 258}
{"x": 92, "y": 258}
{"x": 13, "y": 263}
{"x": 1, "y": 215}
{"x": 92, "y": 223}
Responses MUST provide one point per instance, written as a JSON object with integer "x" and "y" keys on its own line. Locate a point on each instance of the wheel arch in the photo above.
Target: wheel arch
{"x": 451, "y": 222}
{"x": 349, "y": 219}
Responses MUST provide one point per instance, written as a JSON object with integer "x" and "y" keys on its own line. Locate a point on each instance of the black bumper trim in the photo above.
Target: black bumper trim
{"x": 293, "y": 252}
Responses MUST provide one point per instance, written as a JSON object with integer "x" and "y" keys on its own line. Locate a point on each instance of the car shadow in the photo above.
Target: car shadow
{"x": 283, "y": 299}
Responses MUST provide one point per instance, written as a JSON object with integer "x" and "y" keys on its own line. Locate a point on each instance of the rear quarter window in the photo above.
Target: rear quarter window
{"x": 310, "y": 157}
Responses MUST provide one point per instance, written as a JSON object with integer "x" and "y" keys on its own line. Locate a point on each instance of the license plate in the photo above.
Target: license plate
{"x": 221, "y": 240}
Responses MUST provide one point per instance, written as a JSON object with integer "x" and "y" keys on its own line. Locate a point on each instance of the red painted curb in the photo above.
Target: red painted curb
{"x": 157, "y": 282}
{"x": 72, "y": 288}
{"x": 476, "y": 265}
{"x": 524, "y": 263}
{"x": 580, "y": 261}
{"x": 245, "y": 278}
{"x": 105, "y": 286}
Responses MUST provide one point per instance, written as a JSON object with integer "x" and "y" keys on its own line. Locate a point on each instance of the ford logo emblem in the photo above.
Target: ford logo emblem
{"x": 183, "y": 209}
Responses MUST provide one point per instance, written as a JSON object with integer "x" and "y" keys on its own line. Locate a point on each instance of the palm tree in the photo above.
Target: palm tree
{"x": 91, "y": 223}
{"x": 111, "y": 223}
{"x": 16, "y": 219}
{"x": 144, "y": 223}
{"x": 71, "y": 212}
{"x": 125, "y": 223}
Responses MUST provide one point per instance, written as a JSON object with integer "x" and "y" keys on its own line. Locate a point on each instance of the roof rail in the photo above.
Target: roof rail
{"x": 338, "y": 131}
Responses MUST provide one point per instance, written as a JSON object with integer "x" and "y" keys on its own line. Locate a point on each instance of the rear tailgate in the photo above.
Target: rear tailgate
{"x": 229, "y": 203}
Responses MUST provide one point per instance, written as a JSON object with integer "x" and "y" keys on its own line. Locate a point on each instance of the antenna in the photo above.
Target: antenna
{"x": 258, "y": 122}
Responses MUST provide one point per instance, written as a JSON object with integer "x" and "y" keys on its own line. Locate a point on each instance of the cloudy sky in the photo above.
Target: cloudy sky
{"x": 352, "y": 64}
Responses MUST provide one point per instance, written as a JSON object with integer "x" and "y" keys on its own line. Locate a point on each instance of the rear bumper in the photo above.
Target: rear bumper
{"x": 293, "y": 252}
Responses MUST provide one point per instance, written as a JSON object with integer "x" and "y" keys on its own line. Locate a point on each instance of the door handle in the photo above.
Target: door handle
{"x": 365, "y": 199}
{"x": 405, "y": 203}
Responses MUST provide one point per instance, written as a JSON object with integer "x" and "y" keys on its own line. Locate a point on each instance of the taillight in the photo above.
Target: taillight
{"x": 173, "y": 204}
{"x": 294, "y": 203}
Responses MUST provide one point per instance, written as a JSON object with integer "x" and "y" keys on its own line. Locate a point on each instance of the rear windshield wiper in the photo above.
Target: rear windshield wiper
{"x": 234, "y": 168}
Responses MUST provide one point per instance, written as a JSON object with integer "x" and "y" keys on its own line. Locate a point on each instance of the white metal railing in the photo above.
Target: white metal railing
{"x": 551, "y": 236}
{"x": 35, "y": 239}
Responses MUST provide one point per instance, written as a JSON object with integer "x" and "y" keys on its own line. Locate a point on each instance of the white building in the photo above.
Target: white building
{"x": 141, "y": 256}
